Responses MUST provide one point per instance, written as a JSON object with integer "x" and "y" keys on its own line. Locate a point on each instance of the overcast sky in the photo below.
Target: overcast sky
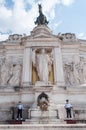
{"x": 65, "y": 16}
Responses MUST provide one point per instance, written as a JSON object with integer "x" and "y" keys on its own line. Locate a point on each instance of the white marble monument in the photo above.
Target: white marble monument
{"x": 42, "y": 62}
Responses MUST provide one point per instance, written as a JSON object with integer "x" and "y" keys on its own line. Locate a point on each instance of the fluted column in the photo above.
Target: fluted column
{"x": 27, "y": 67}
{"x": 58, "y": 67}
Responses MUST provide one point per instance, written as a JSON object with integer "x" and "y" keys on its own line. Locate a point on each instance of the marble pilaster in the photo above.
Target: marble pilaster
{"x": 58, "y": 68}
{"x": 27, "y": 67}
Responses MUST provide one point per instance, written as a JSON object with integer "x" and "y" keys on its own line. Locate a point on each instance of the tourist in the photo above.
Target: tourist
{"x": 68, "y": 107}
{"x": 19, "y": 110}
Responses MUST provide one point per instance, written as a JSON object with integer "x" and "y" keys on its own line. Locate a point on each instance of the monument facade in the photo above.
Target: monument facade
{"x": 42, "y": 63}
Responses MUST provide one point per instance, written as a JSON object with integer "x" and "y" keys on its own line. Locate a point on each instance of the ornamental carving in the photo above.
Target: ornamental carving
{"x": 75, "y": 73}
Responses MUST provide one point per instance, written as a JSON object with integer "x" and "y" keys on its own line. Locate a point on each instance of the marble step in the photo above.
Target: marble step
{"x": 43, "y": 121}
{"x": 44, "y": 127}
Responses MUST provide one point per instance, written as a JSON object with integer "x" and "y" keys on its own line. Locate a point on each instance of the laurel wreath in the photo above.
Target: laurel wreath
{"x": 43, "y": 105}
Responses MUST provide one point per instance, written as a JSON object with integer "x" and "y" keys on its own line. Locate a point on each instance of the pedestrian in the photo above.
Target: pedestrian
{"x": 19, "y": 110}
{"x": 68, "y": 108}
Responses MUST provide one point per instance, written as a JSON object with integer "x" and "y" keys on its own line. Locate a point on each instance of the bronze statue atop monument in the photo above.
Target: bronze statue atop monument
{"x": 41, "y": 19}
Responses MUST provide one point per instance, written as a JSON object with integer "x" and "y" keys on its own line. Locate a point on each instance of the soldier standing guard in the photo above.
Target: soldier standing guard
{"x": 68, "y": 107}
{"x": 19, "y": 110}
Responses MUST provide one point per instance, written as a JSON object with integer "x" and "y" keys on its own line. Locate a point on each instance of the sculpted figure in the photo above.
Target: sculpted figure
{"x": 75, "y": 72}
{"x": 16, "y": 73}
{"x": 9, "y": 73}
{"x": 78, "y": 73}
{"x": 84, "y": 70}
{"x": 5, "y": 73}
{"x": 42, "y": 64}
{"x": 69, "y": 74}
{"x": 41, "y": 19}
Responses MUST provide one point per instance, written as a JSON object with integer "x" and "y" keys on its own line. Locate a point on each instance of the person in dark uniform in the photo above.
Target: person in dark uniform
{"x": 68, "y": 107}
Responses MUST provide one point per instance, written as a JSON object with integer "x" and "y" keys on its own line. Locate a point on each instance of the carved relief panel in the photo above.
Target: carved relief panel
{"x": 75, "y": 73}
{"x": 10, "y": 71}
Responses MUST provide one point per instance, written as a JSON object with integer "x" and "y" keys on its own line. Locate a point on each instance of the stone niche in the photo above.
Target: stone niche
{"x": 37, "y": 74}
{"x": 42, "y": 63}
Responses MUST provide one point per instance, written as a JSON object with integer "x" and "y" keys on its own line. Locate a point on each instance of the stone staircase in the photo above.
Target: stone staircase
{"x": 43, "y": 121}
{"x": 44, "y": 127}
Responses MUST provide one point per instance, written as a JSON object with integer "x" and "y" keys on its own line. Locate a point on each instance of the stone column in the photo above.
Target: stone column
{"x": 27, "y": 67}
{"x": 58, "y": 68}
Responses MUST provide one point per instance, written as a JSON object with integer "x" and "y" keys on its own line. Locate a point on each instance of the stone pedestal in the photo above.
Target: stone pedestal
{"x": 71, "y": 121}
{"x": 15, "y": 122}
{"x": 36, "y": 113}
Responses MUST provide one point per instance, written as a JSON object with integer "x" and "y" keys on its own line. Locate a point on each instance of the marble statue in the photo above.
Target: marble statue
{"x": 42, "y": 64}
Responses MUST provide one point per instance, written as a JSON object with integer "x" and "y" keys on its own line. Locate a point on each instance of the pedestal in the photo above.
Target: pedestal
{"x": 36, "y": 113}
{"x": 71, "y": 121}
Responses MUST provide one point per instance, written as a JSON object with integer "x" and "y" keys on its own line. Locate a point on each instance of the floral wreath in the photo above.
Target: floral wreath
{"x": 43, "y": 105}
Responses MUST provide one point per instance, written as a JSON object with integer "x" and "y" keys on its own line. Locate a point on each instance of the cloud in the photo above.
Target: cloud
{"x": 81, "y": 36}
{"x": 67, "y": 2}
{"x": 5, "y": 12}
{"x": 57, "y": 24}
{"x": 20, "y": 18}
{"x": 2, "y": 2}
{"x": 3, "y": 37}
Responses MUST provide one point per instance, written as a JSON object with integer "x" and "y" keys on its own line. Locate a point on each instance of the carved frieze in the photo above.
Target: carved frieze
{"x": 10, "y": 71}
{"x": 75, "y": 73}
{"x": 67, "y": 37}
{"x": 14, "y": 37}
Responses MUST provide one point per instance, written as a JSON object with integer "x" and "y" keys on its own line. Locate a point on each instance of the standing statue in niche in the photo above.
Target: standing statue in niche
{"x": 41, "y": 19}
{"x": 42, "y": 63}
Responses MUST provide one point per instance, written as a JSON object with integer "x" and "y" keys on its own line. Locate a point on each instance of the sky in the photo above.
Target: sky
{"x": 64, "y": 16}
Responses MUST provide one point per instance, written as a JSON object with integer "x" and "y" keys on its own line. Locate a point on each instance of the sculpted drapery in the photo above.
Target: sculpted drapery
{"x": 42, "y": 64}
